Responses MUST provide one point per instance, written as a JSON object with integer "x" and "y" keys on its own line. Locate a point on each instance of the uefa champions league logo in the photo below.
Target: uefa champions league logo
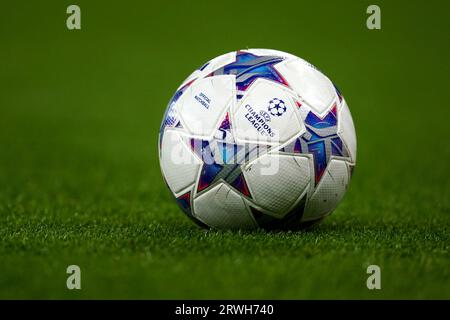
{"x": 265, "y": 115}
{"x": 277, "y": 107}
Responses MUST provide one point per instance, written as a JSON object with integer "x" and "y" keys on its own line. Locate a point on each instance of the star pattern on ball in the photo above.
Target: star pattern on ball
{"x": 223, "y": 158}
{"x": 248, "y": 67}
{"x": 321, "y": 139}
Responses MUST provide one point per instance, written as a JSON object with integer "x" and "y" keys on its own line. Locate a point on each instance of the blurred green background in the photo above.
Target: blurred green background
{"x": 79, "y": 174}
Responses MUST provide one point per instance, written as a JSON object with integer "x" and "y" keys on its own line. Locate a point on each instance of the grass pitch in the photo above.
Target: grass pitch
{"x": 79, "y": 174}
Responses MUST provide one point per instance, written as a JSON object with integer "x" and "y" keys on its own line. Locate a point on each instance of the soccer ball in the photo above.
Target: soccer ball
{"x": 257, "y": 139}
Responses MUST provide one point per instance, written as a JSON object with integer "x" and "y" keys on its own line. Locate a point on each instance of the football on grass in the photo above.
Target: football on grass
{"x": 257, "y": 139}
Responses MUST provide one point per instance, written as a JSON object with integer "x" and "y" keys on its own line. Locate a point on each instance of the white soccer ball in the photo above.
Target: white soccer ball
{"x": 257, "y": 138}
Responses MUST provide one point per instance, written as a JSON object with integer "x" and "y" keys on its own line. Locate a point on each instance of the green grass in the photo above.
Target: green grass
{"x": 79, "y": 174}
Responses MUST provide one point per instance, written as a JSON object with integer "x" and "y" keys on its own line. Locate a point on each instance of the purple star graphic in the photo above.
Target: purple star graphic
{"x": 321, "y": 140}
{"x": 223, "y": 159}
{"x": 248, "y": 67}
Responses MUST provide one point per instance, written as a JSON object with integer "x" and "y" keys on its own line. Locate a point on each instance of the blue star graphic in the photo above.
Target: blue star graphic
{"x": 248, "y": 67}
{"x": 223, "y": 159}
{"x": 321, "y": 140}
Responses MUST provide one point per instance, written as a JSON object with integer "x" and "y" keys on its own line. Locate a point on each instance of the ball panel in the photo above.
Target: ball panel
{"x": 222, "y": 207}
{"x": 254, "y": 121}
{"x": 329, "y": 191}
{"x": 292, "y": 220}
{"x": 204, "y": 103}
{"x": 309, "y": 83}
{"x": 277, "y": 181}
{"x": 178, "y": 164}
